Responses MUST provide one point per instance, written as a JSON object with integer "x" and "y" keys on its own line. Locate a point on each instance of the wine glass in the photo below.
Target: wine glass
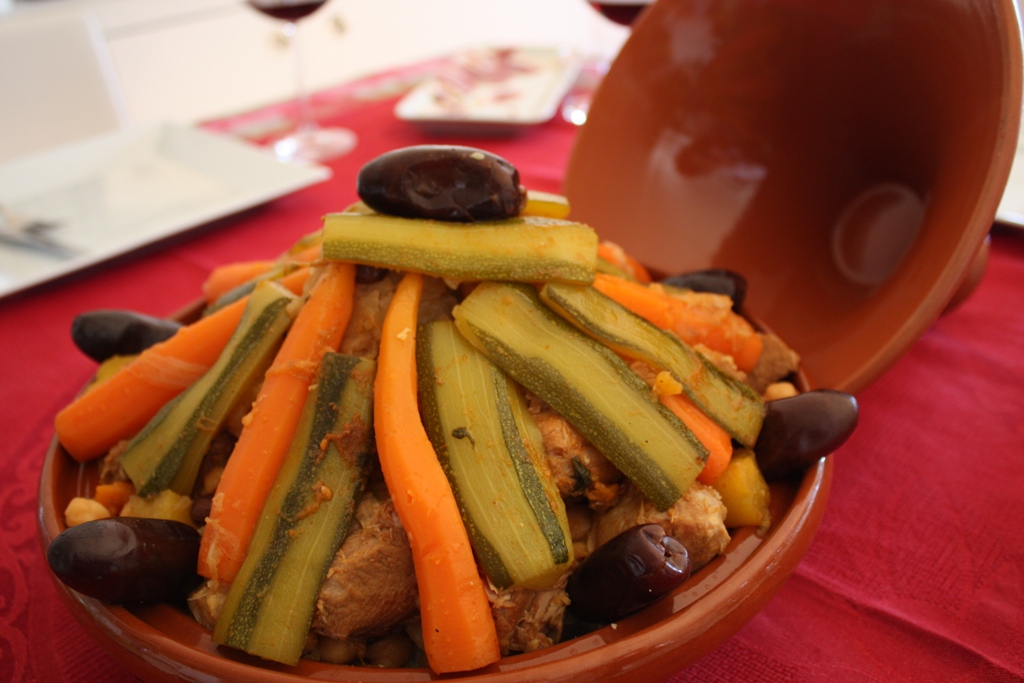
{"x": 577, "y": 105}
{"x": 622, "y": 12}
{"x": 307, "y": 141}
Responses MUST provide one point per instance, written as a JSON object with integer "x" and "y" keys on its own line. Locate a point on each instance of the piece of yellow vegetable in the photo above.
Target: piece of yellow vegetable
{"x": 165, "y": 505}
{"x": 546, "y": 204}
{"x": 744, "y": 492}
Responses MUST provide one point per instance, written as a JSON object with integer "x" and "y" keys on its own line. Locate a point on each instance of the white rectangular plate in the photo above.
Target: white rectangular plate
{"x": 118, "y": 192}
{"x": 492, "y": 91}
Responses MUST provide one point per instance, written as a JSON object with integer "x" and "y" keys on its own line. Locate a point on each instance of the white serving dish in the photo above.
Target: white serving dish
{"x": 492, "y": 91}
{"x": 117, "y": 192}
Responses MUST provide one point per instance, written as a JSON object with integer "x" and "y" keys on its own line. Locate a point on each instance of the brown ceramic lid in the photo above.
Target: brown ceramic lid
{"x": 847, "y": 158}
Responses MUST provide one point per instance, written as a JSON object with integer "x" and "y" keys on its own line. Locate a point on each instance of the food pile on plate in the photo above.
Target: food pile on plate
{"x": 450, "y": 426}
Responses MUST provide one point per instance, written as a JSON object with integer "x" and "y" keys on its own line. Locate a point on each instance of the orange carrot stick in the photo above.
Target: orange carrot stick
{"x": 617, "y": 256}
{"x": 113, "y": 496}
{"x": 458, "y": 629}
{"x": 223, "y": 279}
{"x": 295, "y": 281}
{"x": 271, "y": 424}
{"x": 122, "y": 405}
{"x": 715, "y": 439}
{"x": 307, "y": 255}
{"x": 117, "y": 409}
{"x": 718, "y": 328}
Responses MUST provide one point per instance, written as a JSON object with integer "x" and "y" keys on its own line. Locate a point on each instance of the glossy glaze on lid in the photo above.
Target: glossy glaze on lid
{"x": 739, "y": 135}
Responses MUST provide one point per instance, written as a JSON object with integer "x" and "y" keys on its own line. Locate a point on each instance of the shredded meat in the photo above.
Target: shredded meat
{"x": 233, "y": 420}
{"x": 581, "y": 521}
{"x": 527, "y": 620}
{"x": 362, "y": 337}
{"x": 777, "y": 360}
{"x": 110, "y": 466}
{"x": 216, "y": 458}
{"x": 579, "y": 469}
{"x": 697, "y": 520}
{"x": 207, "y": 602}
{"x": 437, "y": 301}
{"x": 371, "y": 584}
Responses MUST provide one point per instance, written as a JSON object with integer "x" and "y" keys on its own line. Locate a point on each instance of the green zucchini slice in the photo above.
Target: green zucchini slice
{"x": 731, "y": 403}
{"x": 306, "y": 516}
{"x": 168, "y": 451}
{"x": 493, "y": 454}
{"x": 587, "y": 384}
{"x": 525, "y": 249}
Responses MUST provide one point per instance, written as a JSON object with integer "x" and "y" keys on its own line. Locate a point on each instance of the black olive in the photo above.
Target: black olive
{"x": 446, "y": 183}
{"x": 715, "y": 280}
{"x": 105, "y": 333}
{"x": 799, "y": 430}
{"x": 626, "y": 574}
{"x": 574, "y": 627}
{"x": 127, "y": 559}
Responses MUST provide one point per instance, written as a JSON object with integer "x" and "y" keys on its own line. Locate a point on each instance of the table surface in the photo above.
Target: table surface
{"x": 917, "y": 570}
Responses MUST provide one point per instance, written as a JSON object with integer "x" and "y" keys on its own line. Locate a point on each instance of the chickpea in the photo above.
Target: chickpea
{"x": 581, "y": 518}
{"x": 211, "y": 479}
{"x": 391, "y": 651}
{"x": 339, "y": 651}
{"x": 778, "y": 390}
{"x": 414, "y": 629}
{"x": 81, "y": 510}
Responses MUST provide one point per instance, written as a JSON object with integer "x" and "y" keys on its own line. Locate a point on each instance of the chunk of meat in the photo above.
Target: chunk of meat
{"x": 777, "y": 360}
{"x": 215, "y": 459}
{"x": 362, "y": 336}
{"x": 697, "y": 520}
{"x": 233, "y": 421}
{"x": 581, "y": 521}
{"x": 528, "y": 620}
{"x": 371, "y": 584}
{"x": 110, "y": 466}
{"x": 207, "y": 602}
{"x": 437, "y": 301}
{"x": 579, "y": 469}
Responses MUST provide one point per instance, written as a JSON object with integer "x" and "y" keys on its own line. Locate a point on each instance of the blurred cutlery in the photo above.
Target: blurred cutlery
{"x": 19, "y": 231}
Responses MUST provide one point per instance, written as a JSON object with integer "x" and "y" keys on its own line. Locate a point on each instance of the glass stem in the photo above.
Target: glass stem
{"x": 304, "y": 119}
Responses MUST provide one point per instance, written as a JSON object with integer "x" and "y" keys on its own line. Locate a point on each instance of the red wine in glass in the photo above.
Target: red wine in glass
{"x": 288, "y": 11}
{"x": 308, "y": 142}
{"x": 622, "y": 12}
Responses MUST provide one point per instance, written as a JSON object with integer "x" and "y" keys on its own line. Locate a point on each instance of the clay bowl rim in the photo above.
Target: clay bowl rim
{"x": 680, "y": 629}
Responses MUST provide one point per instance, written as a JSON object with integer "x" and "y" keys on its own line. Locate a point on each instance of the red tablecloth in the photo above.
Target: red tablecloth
{"x": 917, "y": 571}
